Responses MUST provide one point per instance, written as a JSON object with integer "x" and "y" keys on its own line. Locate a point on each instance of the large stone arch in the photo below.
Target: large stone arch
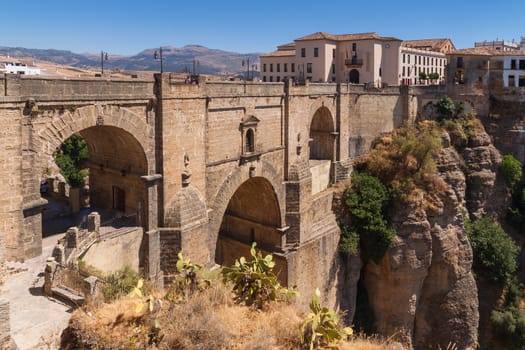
{"x": 228, "y": 188}
{"x": 61, "y": 124}
{"x": 120, "y": 128}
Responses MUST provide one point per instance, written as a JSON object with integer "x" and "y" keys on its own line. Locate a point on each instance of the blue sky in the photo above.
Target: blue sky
{"x": 127, "y": 27}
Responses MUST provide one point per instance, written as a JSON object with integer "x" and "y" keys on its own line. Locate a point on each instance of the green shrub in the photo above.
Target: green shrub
{"x": 322, "y": 329}
{"x": 511, "y": 170}
{"x": 495, "y": 253}
{"x": 509, "y": 320}
{"x": 367, "y": 201}
{"x": 446, "y": 107}
{"x": 254, "y": 282}
{"x": 349, "y": 241}
{"x": 120, "y": 283}
{"x": 187, "y": 280}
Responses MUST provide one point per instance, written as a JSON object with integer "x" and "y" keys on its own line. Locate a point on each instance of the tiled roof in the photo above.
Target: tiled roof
{"x": 433, "y": 44}
{"x": 280, "y": 53}
{"x": 484, "y": 51}
{"x": 289, "y": 46}
{"x": 317, "y": 36}
{"x": 344, "y": 37}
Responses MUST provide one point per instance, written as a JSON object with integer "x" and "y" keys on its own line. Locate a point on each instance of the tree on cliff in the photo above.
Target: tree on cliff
{"x": 367, "y": 201}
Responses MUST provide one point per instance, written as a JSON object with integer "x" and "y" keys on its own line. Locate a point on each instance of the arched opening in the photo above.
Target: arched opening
{"x": 113, "y": 187}
{"x": 322, "y": 144}
{"x": 250, "y": 141}
{"x": 353, "y": 76}
{"x": 252, "y": 215}
{"x": 321, "y": 129}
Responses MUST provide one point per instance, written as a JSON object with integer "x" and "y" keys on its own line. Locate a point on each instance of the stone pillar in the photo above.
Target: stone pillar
{"x": 72, "y": 237}
{"x": 152, "y": 269}
{"x": 333, "y": 170}
{"x": 152, "y": 213}
{"x": 31, "y": 237}
{"x": 298, "y": 195}
{"x": 93, "y": 223}
{"x": 151, "y": 239}
{"x": 49, "y": 275}
{"x": 90, "y": 287}
{"x": 59, "y": 254}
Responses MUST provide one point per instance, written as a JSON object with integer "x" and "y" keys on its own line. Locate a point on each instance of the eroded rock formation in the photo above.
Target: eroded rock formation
{"x": 423, "y": 288}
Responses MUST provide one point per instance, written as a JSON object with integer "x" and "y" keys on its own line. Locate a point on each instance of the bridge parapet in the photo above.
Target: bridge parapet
{"x": 51, "y": 88}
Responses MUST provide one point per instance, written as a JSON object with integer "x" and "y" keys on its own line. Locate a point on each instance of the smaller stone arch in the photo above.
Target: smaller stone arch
{"x": 322, "y": 132}
{"x": 219, "y": 202}
{"x": 253, "y": 214}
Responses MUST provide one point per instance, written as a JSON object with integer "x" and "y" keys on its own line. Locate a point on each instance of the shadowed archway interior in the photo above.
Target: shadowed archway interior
{"x": 252, "y": 215}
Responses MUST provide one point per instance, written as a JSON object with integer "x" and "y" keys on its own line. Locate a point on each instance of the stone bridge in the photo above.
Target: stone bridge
{"x": 207, "y": 168}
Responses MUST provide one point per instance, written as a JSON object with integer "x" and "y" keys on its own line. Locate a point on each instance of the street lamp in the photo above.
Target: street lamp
{"x": 158, "y": 55}
{"x": 247, "y": 63}
{"x": 195, "y": 66}
{"x": 103, "y": 57}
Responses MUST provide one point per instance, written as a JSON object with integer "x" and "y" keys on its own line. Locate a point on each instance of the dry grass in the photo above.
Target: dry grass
{"x": 207, "y": 320}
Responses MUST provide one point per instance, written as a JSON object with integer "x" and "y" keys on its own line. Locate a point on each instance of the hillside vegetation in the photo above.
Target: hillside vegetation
{"x": 241, "y": 307}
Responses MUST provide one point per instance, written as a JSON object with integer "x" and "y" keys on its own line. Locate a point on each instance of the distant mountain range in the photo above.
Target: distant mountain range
{"x": 207, "y": 61}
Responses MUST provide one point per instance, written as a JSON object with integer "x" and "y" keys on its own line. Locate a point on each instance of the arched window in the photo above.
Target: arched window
{"x": 249, "y": 146}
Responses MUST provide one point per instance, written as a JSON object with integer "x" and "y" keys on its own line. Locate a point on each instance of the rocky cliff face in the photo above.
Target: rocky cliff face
{"x": 423, "y": 289}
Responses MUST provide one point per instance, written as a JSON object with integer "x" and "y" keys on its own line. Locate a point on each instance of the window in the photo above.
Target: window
{"x": 316, "y": 52}
{"x": 278, "y": 79}
{"x": 354, "y": 47}
{"x": 271, "y": 78}
{"x": 308, "y": 68}
{"x": 278, "y": 67}
{"x": 271, "y": 67}
{"x": 333, "y": 53}
{"x": 250, "y": 142}
{"x": 403, "y": 59}
{"x": 512, "y": 64}
{"x": 459, "y": 62}
{"x": 522, "y": 64}
{"x": 303, "y": 52}
{"x": 293, "y": 67}
{"x": 264, "y": 67}
{"x": 512, "y": 81}
{"x": 409, "y": 59}
{"x": 264, "y": 78}
{"x": 333, "y": 68}
{"x": 285, "y": 67}
{"x": 403, "y": 70}
{"x": 521, "y": 81}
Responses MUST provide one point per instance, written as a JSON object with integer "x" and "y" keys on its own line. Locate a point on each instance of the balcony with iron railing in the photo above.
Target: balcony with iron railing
{"x": 353, "y": 62}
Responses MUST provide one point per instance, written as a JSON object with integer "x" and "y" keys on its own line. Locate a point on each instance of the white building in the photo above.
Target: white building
{"x": 514, "y": 69}
{"x": 501, "y": 45}
{"x": 18, "y": 68}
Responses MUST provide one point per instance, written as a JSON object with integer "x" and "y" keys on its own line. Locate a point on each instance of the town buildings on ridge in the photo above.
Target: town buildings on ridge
{"x": 368, "y": 58}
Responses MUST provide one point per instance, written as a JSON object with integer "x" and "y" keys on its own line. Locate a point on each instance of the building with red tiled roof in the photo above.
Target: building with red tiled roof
{"x": 356, "y": 58}
{"x": 484, "y": 66}
{"x": 325, "y": 57}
